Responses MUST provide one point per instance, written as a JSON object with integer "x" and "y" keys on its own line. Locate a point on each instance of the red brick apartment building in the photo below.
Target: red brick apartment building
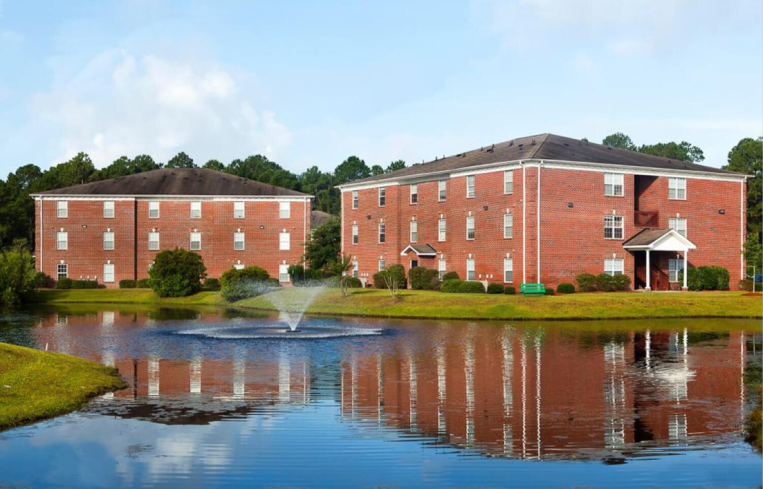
{"x": 545, "y": 208}
{"x": 112, "y": 230}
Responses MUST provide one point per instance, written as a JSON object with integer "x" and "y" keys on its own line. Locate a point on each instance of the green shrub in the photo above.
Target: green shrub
{"x": 353, "y": 283}
{"x": 236, "y": 291}
{"x": 17, "y": 276}
{"x": 84, "y": 284}
{"x": 127, "y": 284}
{"x": 706, "y": 278}
{"x": 249, "y": 274}
{"x": 565, "y": 288}
{"x": 177, "y": 273}
{"x": 549, "y": 291}
{"x": 245, "y": 283}
{"x": 396, "y": 272}
{"x": 604, "y": 282}
{"x": 43, "y": 281}
{"x": 451, "y": 285}
{"x": 621, "y": 281}
{"x": 273, "y": 282}
{"x": 211, "y": 284}
{"x": 693, "y": 281}
{"x": 509, "y": 290}
{"x": 586, "y": 282}
{"x": 296, "y": 274}
{"x": 450, "y": 276}
{"x": 143, "y": 283}
{"x": 721, "y": 278}
{"x": 422, "y": 278}
{"x": 64, "y": 283}
{"x": 495, "y": 289}
{"x": 471, "y": 287}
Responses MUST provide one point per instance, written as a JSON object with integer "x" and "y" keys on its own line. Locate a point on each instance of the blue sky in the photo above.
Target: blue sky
{"x": 310, "y": 83}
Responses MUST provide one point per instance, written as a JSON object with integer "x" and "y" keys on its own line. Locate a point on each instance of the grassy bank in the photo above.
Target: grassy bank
{"x": 438, "y": 305}
{"x": 36, "y": 385}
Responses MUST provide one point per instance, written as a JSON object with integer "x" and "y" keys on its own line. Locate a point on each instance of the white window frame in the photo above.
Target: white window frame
{"x": 355, "y": 268}
{"x": 614, "y": 266}
{"x": 62, "y": 209}
{"x": 414, "y": 194}
{"x": 355, "y": 199}
{"x": 283, "y": 273}
{"x": 381, "y": 264}
{"x": 150, "y": 241}
{"x": 153, "y": 207}
{"x": 382, "y": 236}
{"x": 284, "y": 210}
{"x": 675, "y": 265}
{"x": 676, "y": 188}
{"x": 238, "y": 266}
{"x": 614, "y": 184}
{"x": 112, "y": 236}
{"x": 284, "y": 241}
{"x": 508, "y": 225}
{"x": 470, "y": 187}
{"x": 109, "y": 272}
{"x": 470, "y": 232}
{"x": 414, "y": 231}
{"x": 195, "y": 234}
{"x": 442, "y": 190}
{"x": 108, "y": 209}
{"x": 382, "y": 196}
{"x": 508, "y": 182}
{"x": 442, "y": 267}
{"x": 508, "y": 270}
{"x": 239, "y": 237}
{"x": 62, "y": 271}
{"x": 470, "y": 269}
{"x": 355, "y": 234}
{"x": 239, "y": 209}
{"x": 442, "y": 229}
{"x": 65, "y": 240}
{"x": 611, "y": 222}
{"x": 196, "y": 209}
{"x": 679, "y": 224}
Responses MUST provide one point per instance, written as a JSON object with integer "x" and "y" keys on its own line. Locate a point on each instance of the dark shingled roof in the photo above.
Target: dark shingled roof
{"x": 422, "y": 250}
{"x": 545, "y": 147}
{"x": 177, "y": 181}
{"x": 319, "y": 218}
{"x": 646, "y": 236}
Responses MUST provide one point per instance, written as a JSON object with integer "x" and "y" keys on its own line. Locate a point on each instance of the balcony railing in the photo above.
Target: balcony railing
{"x": 646, "y": 219}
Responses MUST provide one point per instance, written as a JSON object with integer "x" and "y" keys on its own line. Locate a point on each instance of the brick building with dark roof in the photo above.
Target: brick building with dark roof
{"x": 111, "y": 230}
{"x": 543, "y": 209}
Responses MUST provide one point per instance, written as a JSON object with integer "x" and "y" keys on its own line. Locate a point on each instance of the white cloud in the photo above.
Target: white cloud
{"x": 121, "y": 104}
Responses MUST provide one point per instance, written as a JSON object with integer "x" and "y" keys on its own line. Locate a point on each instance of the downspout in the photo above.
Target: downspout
{"x": 134, "y": 239}
{"x": 742, "y": 230}
{"x": 42, "y": 247}
{"x": 341, "y": 221}
{"x": 537, "y": 231}
{"x": 524, "y": 222}
{"x": 304, "y": 233}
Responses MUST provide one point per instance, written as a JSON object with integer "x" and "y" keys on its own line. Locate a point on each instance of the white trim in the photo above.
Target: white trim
{"x": 655, "y": 245}
{"x": 411, "y": 248}
{"x": 524, "y": 224}
{"x": 42, "y": 234}
{"x": 341, "y": 222}
{"x": 742, "y": 206}
{"x": 537, "y": 229}
{"x": 217, "y": 198}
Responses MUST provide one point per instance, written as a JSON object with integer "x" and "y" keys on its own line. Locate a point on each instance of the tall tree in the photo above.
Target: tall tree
{"x": 181, "y": 160}
{"x": 747, "y": 157}
{"x": 214, "y": 165}
{"x": 619, "y": 140}
{"x": 395, "y": 165}
{"x": 377, "y": 170}
{"x": 324, "y": 245}
{"x": 676, "y": 151}
{"x": 353, "y": 168}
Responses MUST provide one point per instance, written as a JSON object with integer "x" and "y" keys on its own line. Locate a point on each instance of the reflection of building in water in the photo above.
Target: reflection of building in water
{"x": 520, "y": 392}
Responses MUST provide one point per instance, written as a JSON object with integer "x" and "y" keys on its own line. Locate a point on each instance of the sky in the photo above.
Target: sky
{"x": 311, "y": 83}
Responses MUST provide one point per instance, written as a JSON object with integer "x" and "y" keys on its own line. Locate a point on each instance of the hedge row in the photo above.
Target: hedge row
{"x": 67, "y": 283}
{"x": 603, "y": 282}
{"x": 706, "y": 278}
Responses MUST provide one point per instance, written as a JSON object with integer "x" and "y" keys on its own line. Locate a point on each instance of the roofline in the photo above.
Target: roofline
{"x": 171, "y": 196}
{"x": 673, "y": 232}
{"x": 411, "y": 248}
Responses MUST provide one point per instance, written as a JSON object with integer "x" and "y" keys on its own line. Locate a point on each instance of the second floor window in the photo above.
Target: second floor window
{"x": 442, "y": 190}
{"x": 470, "y": 269}
{"x": 469, "y": 227}
{"x": 108, "y": 209}
{"x": 414, "y": 194}
{"x": 108, "y": 240}
{"x": 355, "y": 199}
{"x": 153, "y": 241}
{"x": 284, "y": 210}
{"x": 508, "y": 182}
{"x": 508, "y": 270}
{"x": 414, "y": 231}
{"x": 382, "y": 232}
{"x": 62, "y": 240}
{"x": 195, "y": 241}
{"x": 355, "y": 234}
{"x": 508, "y": 225}
{"x": 284, "y": 241}
{"x": 62, "y": 209}
{"x": 470, "y": 187}
{"x": 238, "y": 210}
{"x": 676, "y": 188}
{"x": 195, "y": 210}
{"x": 153, "y": 210}
{"x": 382, "y": 197}
{"x": 238, "y": 241}
{"x": 614, "y": 266}
{"x": 679, "y": 224}
{"x": 613, "y": 227}
{"x": 613, "y": 184}
{"x": 441, "y": 229}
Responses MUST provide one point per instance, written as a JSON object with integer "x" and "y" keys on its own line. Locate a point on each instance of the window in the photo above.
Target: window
{"x": 414, "y": 231}
{"x": 414, "y": 194}
{"x": 508, "y": 270}
{"x": 195, "y": 210}
{"x": 508, "y": 182}
{"x": 381, "y": 264}
{"x": 470, "y": 269}
{"x": 614, "y": 266}
{"x": 62, "y": 271}
{"x": 238, "y": 266}
{"x": 284, "y": 241}
{"x": 108, "y": 209}
{"x": 442, "y": 190}
{"x": 355, "y": 199}
{"x": 355, "y": 268}
{"x": 284, "y": 210}
{"x": 679, "y": 224}
{"x": 195, "y": 241}
{"x": 108, "y": 272}
{"x": 613, "y": 227}
{"x": 470, "y": 187}
{"x": 62, "y": 209}
{"x": 441, "y": 267}
{"x": 674, "y": 267}
{"x": 283, "y": 272}
{"x": 108, "y": 240}
{"x": 238, "y": 241}
{"x": 677, "y": 188}
{"x": 62, "y": 240}
{"x": 153, "y": 241}
{"x": 354, "y": 234}
{"x": 238, "y": 210}
{"x": 441, "y": 229}
{"x": 153, "y": 210}
{"x": 382, "y": 197}
{"x": 613, "y": 184}
{"x": 382, "y": 232}
{"x": 469, "y": 227}
{"x": 508, "y": 225}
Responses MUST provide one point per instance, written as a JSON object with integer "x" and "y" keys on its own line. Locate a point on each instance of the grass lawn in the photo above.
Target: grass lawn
{"x": 125, "y": 296}
{"x": 36, "y": 385}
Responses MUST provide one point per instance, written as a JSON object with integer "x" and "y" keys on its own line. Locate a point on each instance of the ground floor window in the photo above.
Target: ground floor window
{"x": 381, "y": 264}
{"x": 195, "y": 241}
{"x": 355, "y": 268}
{"x": 62, "y": 271}
{"x": 674, "y": 268}
{"x": 441, "y": 267}
{"x": 108, "y": 272}
{"x": 508, "y": 270}
{"x": 470, "y": 269}
{"x": 238, "y": 266}
{"x": 283, "y": 272}
{"x": 613, "y": 266}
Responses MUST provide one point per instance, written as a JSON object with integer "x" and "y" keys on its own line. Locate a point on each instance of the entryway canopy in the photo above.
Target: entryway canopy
{"x": 420, "y": 250}
{"x": 660, "y": 239}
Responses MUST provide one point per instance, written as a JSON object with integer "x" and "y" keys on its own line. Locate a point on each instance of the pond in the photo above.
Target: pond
{"x": 423, "y": 403}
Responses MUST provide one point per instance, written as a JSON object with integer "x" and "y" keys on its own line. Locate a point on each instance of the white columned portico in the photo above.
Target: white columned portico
{"x": 648, "y": 272}
{"x": 648, "y": 240}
